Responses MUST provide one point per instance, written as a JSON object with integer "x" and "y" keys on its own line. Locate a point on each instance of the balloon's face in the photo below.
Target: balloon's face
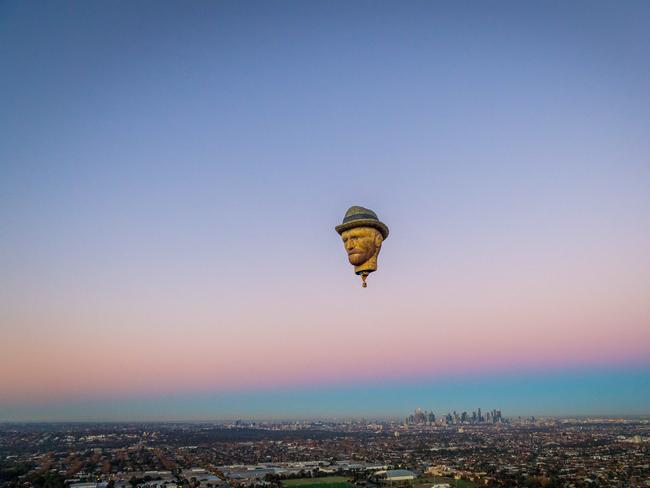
{"x": 361, "y": 244}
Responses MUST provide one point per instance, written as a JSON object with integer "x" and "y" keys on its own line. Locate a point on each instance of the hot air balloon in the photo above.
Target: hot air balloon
{"x": 362, "y": 233}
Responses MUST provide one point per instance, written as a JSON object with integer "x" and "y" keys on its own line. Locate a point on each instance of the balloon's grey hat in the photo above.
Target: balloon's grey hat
{"x": 361, "y": 217}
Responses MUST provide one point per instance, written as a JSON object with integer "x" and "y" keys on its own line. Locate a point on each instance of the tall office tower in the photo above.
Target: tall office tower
{"x": 474, "y": 417}
{"x": 480, "y": 419}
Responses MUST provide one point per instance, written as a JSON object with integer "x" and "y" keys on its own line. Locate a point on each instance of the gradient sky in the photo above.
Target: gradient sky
{"x": 171, "y": 174}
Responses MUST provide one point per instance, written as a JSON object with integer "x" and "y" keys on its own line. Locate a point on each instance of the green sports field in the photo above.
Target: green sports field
{"x": 463, "y": 484}
{"x": 326, "y": 482}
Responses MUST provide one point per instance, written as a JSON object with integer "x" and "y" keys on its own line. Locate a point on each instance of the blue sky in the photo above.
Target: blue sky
{"x": 171, "y": 174}
{"x": 598, "y": 392}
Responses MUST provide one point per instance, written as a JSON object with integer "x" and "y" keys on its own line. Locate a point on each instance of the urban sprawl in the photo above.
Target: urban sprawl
{"x": 461, "y": 450}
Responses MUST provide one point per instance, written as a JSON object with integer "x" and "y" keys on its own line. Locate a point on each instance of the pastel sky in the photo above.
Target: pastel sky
{"x": 171, "y": 174}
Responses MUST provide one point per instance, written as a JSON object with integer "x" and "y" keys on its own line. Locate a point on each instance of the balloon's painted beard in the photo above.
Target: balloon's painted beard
{"x": 358, "y": 255}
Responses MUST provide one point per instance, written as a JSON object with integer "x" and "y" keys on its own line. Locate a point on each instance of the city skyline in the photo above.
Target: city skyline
{"x": 171, "y": 176}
